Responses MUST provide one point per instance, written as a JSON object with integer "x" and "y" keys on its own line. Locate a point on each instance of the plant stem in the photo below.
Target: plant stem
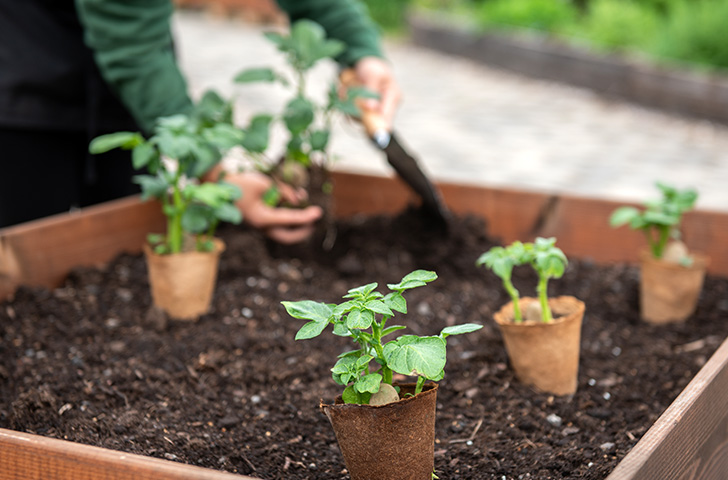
{"x": 174, "y": 224}
{"x": 513, "y": 293}
{"x": 387, "y": 374}
{"x": 543, "y": 299}
{"x": 420, "y": 385}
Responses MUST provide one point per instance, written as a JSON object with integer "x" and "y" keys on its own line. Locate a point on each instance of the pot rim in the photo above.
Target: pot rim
{"x": 429, "y": 389}
{"x": 502, "y": 319}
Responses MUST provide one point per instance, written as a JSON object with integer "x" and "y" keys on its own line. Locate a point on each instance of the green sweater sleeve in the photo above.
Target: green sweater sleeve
{"x": 133, "y": 48}
{"x": 345, "y": 20}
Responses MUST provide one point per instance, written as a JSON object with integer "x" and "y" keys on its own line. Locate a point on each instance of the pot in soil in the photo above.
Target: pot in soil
{"x": 182, "y": 284}
{"x": 669, "y": 290}
{"x": 385, "y": 430}
{"x": 542, "y": 335}
{"x": 671, "y": 278}
{"x": 399, "y": 435}
{"x": 183, "y": 261}
{"x": 544, "y": 355}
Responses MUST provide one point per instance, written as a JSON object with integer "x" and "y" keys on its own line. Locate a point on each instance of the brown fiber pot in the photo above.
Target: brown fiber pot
{"x": 395, "y": 441}
{"x": 545, "y": 355}
{"x": 668, "y": 291}
{"x": 182, "y": 284}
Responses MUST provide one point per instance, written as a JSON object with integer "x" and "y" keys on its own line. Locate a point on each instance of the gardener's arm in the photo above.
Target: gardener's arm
{"x": 349, "y": 21}
{"x": 132, "y": 45}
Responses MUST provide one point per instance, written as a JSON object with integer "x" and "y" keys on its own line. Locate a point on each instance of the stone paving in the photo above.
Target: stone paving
{"x": 471, "y": 124}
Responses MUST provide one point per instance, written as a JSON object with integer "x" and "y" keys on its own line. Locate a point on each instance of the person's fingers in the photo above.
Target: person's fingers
{"x": 291, "y": 194}
{"x": 389, "y": 101}
{"x": 265, "y": 216}
{"x": 287, "y": 235}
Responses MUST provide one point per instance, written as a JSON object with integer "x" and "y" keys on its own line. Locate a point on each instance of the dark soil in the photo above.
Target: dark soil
{"x": 91, "y": 362}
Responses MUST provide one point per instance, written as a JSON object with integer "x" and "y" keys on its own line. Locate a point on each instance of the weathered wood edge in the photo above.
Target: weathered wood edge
{"x": 42, "y": 252}
{"x": 690, "y": 439}
{"x": 682, "y": 91}
{"x": 580, "y": 224}
{"x": 26, "y": 456}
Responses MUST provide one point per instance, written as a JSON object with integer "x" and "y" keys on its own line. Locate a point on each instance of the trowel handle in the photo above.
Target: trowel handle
{"x": 373, "y": 122}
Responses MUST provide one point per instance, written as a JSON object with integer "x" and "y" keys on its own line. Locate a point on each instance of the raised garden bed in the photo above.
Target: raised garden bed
{"x": 686, "y": 92}
{"x": 90, "y": 362}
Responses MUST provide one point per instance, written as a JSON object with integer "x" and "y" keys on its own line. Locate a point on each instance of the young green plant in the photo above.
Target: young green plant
{"x": 660, "y": 219}
{"x": 182, "y": 149}
{"x": 544, "y": 257}
{"x": 308, "y": 122}
{"x": 364, "y": 318}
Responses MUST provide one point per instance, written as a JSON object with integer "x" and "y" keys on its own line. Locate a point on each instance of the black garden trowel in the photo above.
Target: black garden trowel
{"x": 403, "y": 163}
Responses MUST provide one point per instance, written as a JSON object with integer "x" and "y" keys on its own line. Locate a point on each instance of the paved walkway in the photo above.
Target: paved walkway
{"x": 473, "y": 124}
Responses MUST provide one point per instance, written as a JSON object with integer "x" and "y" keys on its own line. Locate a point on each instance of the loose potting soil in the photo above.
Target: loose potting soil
{"x": 91, "y": 362}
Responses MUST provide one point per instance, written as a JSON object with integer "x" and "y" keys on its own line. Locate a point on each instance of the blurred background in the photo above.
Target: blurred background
{"x": 472, "y": 119}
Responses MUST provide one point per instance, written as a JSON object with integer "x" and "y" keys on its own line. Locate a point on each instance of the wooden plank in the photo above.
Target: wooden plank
{"x": 29, "y": 457}
{"x": 690, "y": 440}
{"x": 42, "y": 252}
{"x": 580, "y": 224}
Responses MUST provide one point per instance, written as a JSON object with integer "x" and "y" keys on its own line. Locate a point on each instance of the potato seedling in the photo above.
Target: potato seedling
{"x": 363, "y": 318}
{"x": 182, "y": 149}
{"x": 660, "y": 219}
{"x": 307, "y": 122}
{"x": 546, "y": 259}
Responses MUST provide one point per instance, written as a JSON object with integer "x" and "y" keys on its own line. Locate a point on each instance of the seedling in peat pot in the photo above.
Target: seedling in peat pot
{"x": 182, "y": 149}
{"x": 660, "y": 222}
{"x": 546, "y": 259}
{"x": 363, "y": 317}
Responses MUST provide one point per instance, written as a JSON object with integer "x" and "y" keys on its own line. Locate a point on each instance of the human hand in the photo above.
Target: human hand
{"x": 376, "y": 75}
{"x": 284, "y": 225}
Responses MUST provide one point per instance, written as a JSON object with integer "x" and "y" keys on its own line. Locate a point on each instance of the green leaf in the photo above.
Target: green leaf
{"x": 298, "y": 115}
{"x": 125, "y": 140}
{"x": 256, "y": 75}
{"x": 311, "y": 330}
{"x": 396, "y": 302}
{"x": 350, "y": 395}
{"x": 623, "y": 216}
{"x": 412, "y": 355}
{"x": 309, "y": 310}
{"x": 341, "y": 330}
{"x": 257, "y": 135}
{"x": 361, "y": 292}
{"x": 418, "y": 278}
{"x": 142, "y": 155}
{"x": 229, "y": 213}
{"x": 377, "y": 306}
{"x": 368, "y": 383}
{"x": 359, "y": 319}
{"x": 460, "y": 329}
{"x": 152, "y": 186}
{"x": 345, "y": 364}
{"x": 319, "y": 139}
{"x": 342, "y": 308}
{"x": 196, "y": 218}
{"x": 224, "y": 136}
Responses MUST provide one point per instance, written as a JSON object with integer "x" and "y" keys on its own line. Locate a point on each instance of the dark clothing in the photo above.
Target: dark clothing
{"x": 48, "y": 77}
{"x": 32, "y": 187}
{"x": 73, "y": 70}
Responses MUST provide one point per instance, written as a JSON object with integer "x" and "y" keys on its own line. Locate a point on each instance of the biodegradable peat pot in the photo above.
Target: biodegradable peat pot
{"x": 182, "y": 284}
{"x": 669, "y": 291}
{"x": 545, "y": 355}
{"x": 395, "y": 441}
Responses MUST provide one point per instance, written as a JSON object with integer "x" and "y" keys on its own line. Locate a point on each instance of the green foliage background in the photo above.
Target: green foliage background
{"x": 668, "y": 31}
